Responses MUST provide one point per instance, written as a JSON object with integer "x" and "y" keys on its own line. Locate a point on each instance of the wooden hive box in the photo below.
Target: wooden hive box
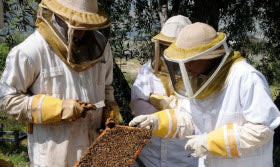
{"x": 117, "y": 146}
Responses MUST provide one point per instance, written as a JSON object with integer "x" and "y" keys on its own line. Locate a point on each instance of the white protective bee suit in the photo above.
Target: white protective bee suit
{"x": 229, "y": 104}
{"x": 159, "y": 152}
{"x": 232, "y": 110}
{"x": 34, "y": 69}
{"x": 244, "y": 99}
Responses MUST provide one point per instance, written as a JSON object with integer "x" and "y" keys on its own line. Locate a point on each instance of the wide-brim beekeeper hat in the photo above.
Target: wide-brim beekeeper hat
{"x": 195, "y": 42}
{"x": 78, "y": 15}
{"x": 171, "y": 28}
{"x": 167, "y": 35}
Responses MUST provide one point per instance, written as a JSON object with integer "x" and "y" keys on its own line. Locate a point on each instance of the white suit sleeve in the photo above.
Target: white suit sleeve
{"x": 168, "y": 123}
{"x": 185, "y": 125}
{"x": 261, "y": 115}
{"x": 230, "y": 140}
{"x": 17, "y": 77}
{"x": 141, "y": 91}
{"x": 252, "y": 136}
{"x": 256, "y": 101}
{"x": 109, "y": 90}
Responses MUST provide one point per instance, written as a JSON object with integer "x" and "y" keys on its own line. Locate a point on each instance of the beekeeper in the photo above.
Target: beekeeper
{"x": 1, "y": 15}
{"x": 227, "y": 100}
{"x": 54, "y": 78}
{"x": 152, "y": 91}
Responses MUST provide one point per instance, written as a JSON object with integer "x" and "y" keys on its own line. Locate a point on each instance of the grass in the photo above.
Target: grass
{"x": 8, "y": 151}
{"x": 129, "y": 68}
{"x": 17, "y": 155}
{"x": 130, "y": 78}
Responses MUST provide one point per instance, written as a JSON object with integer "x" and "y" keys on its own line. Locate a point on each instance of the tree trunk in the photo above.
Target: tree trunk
{"x": 207, "y": 12}
{"x": 175, "y": 7}
{"x": 162, "y": 11}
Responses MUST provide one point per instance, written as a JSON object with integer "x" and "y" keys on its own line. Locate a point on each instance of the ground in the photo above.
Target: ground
{"x": 130, "y": 68}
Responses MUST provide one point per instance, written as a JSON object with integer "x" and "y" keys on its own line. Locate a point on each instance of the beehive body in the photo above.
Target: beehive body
{"x": 117, "y": 146}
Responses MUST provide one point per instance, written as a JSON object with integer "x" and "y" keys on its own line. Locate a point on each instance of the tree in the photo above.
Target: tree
{"x": 19, "y": 20}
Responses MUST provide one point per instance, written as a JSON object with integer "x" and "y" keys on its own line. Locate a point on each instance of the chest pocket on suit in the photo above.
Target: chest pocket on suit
{"x": 53, "y": 80}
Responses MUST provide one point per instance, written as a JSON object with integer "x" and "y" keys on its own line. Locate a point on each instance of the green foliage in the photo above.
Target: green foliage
{"x": 4, "y": 50}
{"x": 17, "y": 155}
{"x": 19, "y": 20}
{"x": 10, "y": 124}
{"x": 270, "y": 64}
{"x": 8, "y": 151}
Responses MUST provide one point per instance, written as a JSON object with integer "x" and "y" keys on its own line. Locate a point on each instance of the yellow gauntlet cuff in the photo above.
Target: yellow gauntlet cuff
{"x": 45, "y": 109}
{"x": 161, "y": 102}
{"x": 222, "y": 141}
{"x": 167, "y": 123}
{"x": 112, "y": 110}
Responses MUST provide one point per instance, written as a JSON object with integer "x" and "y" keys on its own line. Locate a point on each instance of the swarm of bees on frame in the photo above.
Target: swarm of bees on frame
{"x": 117, "y": 146}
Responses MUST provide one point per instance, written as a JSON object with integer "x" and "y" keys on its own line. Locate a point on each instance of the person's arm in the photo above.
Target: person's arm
{"x": 167, "y": 123}
{"x": 141, "y": 91}
{"x": 109, "y": 90}
{"x": 232, "y": 140}
{"x": 18, "y": 76}
{"x": 111, "y": 109}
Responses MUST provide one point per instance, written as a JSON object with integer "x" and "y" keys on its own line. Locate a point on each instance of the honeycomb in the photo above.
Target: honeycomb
{"x": 117, "y": 146}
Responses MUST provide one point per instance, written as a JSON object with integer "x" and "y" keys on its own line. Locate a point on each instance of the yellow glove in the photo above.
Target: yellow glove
{"x": 48, "y": 109}
{"x": 161, "y": 102}
{"x": 163, "y": 123}
{"x": 73, "y": 109}
{"x": 111, "y": 110}
{"x": 224, "y": 140}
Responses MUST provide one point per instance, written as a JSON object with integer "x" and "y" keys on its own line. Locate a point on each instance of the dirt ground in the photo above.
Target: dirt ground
{"x": 130, "y": 68}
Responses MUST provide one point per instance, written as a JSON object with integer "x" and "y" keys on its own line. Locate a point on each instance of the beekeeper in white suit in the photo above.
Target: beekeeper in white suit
{"x": 227, "y": 100}
{"x": 53, "y": 78}
{"x": 152, "y": 91}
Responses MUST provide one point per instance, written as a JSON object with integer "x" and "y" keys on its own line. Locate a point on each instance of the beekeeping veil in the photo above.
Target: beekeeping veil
{"x": 167, "y": 35}
{"x": 199, "y": 41}
{"x": 78, "y": 16}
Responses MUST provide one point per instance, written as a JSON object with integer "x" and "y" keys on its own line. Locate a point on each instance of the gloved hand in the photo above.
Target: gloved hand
{"x": 197, "y": 143}
{"x": 111, "y": 110}
{"x": 73, "y": 109}
{"x": 223, "y": 141}
{"x": 161, "y": 102}
{"x": 47, "y": 109}
{"x": 145, "y": 121}
{"x": 163, "y": 123}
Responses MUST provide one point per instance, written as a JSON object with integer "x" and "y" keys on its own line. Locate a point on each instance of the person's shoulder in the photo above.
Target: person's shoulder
{"x": 146, "y": 68}
{"x": 245, "y": 72}
{"x": 33, "y": 44}
{"x": 243, "y": 68}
